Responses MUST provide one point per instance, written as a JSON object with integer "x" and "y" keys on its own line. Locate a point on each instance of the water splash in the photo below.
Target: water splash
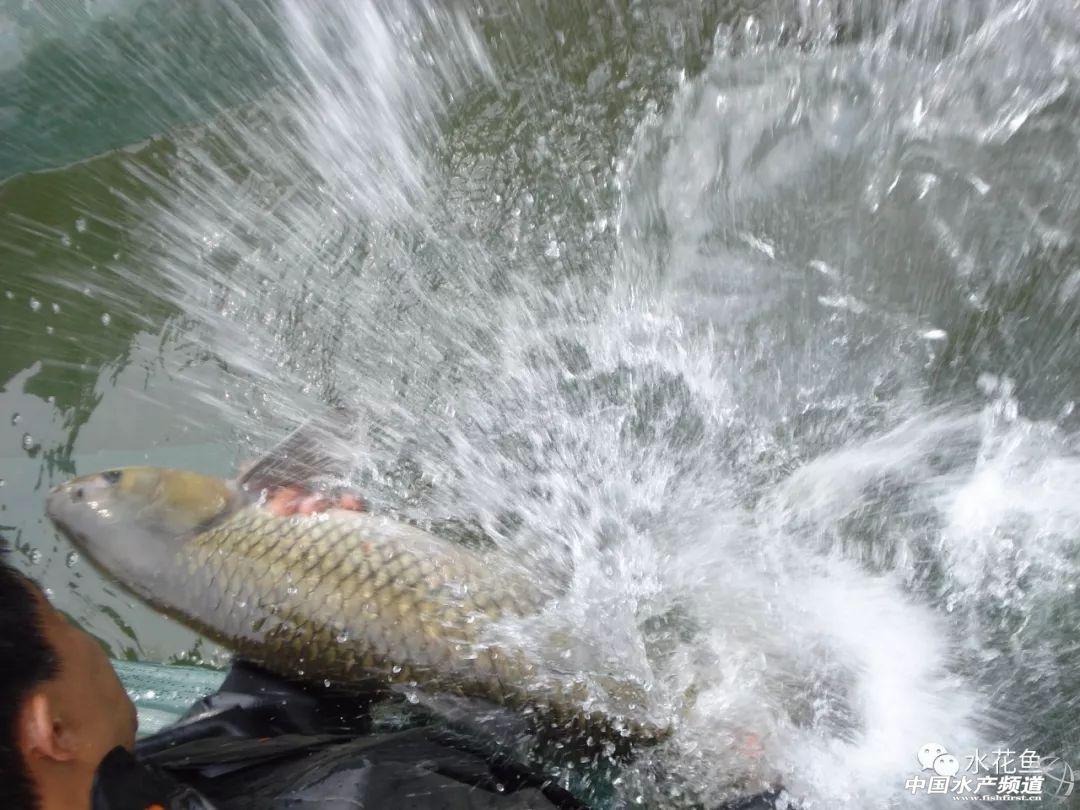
{"x": 703, "y": 346}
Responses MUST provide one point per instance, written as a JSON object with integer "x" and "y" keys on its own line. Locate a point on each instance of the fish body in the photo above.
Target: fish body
{"x": 340, "y": 595}
{"x": 344, "y": 594}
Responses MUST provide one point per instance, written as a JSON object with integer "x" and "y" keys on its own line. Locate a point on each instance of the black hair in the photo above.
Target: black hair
{"x": 26, "y": 661}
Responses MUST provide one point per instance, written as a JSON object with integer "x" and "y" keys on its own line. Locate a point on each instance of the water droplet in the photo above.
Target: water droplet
{"x": 106, "y": 319}
{"x": 35, "y": 305}
{"x": 80, "y": 225}
{"x": 72, "y": 559}
{"x": 15, "y": 417}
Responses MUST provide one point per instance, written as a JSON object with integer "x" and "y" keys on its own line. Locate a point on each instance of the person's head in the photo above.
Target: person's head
{"x": 62, "y": 708}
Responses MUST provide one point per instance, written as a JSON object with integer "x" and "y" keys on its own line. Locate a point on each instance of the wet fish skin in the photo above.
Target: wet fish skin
{"x": 345, "y": 594}
{"x": 341, "y": 595}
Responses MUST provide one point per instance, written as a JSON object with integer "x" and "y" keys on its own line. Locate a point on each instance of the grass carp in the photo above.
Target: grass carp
{"x": 340, "y": 594}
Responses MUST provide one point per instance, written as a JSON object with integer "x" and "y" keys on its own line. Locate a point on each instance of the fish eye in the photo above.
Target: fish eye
{"x": 111, "y": 476}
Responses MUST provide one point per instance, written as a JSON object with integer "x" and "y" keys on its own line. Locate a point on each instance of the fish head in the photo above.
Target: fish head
{"x": 132, "y": 521}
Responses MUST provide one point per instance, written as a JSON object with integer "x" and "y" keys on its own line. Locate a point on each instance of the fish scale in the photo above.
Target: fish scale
{"x": 413, "y": 609}
{"x": 340, "y": 595}
{"x": 329, "y": 560}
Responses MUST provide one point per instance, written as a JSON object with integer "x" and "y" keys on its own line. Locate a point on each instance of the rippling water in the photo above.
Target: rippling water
{"x": 754, "y": 325}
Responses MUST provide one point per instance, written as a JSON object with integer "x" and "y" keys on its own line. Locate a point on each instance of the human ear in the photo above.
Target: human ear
{"x": 42, "y": 733}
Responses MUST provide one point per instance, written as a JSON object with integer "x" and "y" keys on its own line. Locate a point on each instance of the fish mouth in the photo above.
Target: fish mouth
{"x": 63, "y": 526}
{"x": 60, "y": 505}
{"x": 54, "y": 501}
{"x": 62, "y": 508}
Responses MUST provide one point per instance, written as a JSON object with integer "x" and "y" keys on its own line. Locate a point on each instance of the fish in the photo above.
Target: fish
{"x": 338, "y": 595}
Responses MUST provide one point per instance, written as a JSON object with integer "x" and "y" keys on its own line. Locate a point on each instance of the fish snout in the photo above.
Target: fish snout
{"x": 62, "y": 494}
{"x": 57, "y": 496}
{"x": 79, "y": 494}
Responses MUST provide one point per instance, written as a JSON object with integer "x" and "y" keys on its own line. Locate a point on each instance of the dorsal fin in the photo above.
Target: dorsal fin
{"x": 315, "y": 454}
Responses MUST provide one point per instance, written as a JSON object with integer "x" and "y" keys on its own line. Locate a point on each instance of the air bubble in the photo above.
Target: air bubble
{"x": 16, "y": 418}
{"x": 35, "y": 556}
{"x": 396, "y": 669}
{"x": 106, "y": 319}
{"x": 72, "y": 559}
{"x": 35, "y": 305}
{"x": 342, "y": 638}
{"x": 326, "y": 683}
{"x": 28, "y": 442}
{"x": 80, "y": 225}
{"x": 8, "y": 294}
{"x": 56, "y": 309}
{"x": 65, "y": 240}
